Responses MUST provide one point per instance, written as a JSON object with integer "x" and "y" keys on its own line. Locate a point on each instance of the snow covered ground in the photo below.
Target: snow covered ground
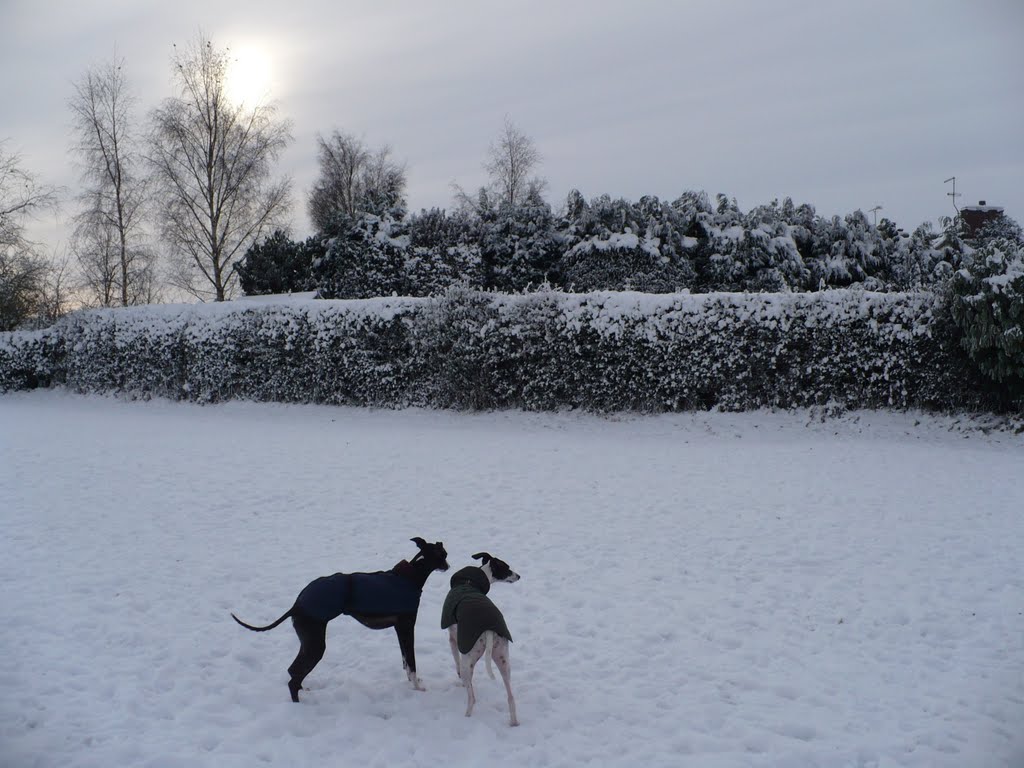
{"x": 698, "y": 590}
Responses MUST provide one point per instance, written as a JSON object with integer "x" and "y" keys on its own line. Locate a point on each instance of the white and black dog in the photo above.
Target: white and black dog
{"x": 377, "y": 600}
{"x": 476, "y": 627}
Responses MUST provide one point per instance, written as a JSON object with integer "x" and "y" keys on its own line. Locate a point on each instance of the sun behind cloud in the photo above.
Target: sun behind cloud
{"x": 250, "y": 74}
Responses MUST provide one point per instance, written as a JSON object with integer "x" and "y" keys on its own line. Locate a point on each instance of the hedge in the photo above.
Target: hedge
{"x": 608, "y": 351}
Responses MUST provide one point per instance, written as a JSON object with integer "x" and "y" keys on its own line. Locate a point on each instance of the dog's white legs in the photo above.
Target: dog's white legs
{"x": 454, "y": 645}
{"x": 501, "y": 658}
{"x": 489, "y": 652}
{"x": 466, "y": 664}
{"x": 417, "y": 684}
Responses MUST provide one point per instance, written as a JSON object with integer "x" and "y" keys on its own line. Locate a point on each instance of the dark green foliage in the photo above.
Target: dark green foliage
{"x": 27, "y": 360}
{"x": 846, "y": 251}
{"x": 278, "y": 265}
{"x": 518, "y": 244}
{"x": 617, "y": 245}
{"x": 22, "y": 287}
{"x": 441, "y": 253}
{"x": 986, "y": 302}
{"x": 420, "y": 255}
{"x": 605, "y": 244}
{"x": 539, "y": 351}
{"x": 364, "y": 258}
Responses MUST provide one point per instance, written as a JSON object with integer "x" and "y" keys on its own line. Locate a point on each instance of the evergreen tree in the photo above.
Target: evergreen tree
{"x": 518, "y": 244}
{"x": 769, "y": 260}
{"x": 364, "y": 258}
{"x": 617, "y": 245}
{"x": 442, "y": 252}
{"x": 801, "y": 222}
{"x": 694, "y": 215}
{"x": 769, "y": 250}
{"x": 667, "y": 231}
{"x": 278, "y": 265}
{"x": 894, "y": 245}
{"x": 922, "y": 266}
{"x": 986, "y": 301}
{"x": 846, "y": 251}
{"x": 717, "y": 259}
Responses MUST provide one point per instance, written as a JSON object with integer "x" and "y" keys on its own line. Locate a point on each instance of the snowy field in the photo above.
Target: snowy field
{"x": 700, "y": 590}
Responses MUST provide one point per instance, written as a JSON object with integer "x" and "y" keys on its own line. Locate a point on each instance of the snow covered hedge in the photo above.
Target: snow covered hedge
{"x": 545, "y": 350}
{"x": 27, "y": 358}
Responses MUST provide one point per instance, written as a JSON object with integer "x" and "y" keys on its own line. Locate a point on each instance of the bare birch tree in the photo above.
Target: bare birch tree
{"x": 353, "y": 179}
{"x": 212, "y": 161}
{"x": 59, "y": 290}
{"x": 21, "y": 197}
{"x": 23, "y": 270}
{"x": 117, "y": 266}
{"x": 510, "y": 162}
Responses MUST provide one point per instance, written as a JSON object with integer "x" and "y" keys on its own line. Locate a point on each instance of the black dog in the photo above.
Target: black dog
{"x": 377, "y": 600}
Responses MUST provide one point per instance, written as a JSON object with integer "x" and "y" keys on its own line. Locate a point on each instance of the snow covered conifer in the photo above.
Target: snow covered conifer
{"x": 441, "y": 253}
{"x": 277, "y": 265}
{"x": 617, "y": 245}
{"x": 986, "y": 301}
{"x": 847, "y": 251}
{"x": 518, "y": 244}
{"x": 364, "y": 259}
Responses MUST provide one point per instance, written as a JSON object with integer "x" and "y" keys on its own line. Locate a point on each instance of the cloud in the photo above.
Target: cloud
{"x": 843, "y": 106}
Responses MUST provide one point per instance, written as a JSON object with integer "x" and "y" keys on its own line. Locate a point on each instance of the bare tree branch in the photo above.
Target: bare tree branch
{"x": 21, "y": 197}
{"x": 23, "y": 271}
{"x": 510, "y": 161}
{"x": 353, "y": 179}
{"x": 109, "y": 242}
{"x": 212, "y": 161}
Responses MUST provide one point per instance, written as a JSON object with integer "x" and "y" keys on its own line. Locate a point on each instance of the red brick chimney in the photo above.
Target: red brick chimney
{"x": 977, "y": 216}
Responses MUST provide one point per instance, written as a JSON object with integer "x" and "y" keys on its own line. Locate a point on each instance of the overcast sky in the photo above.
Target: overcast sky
{"x": 844, "y": 105}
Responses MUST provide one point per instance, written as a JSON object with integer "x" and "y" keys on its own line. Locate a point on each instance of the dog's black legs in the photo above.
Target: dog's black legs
{"x": 405, "y": 628}
{"x": 312, "y": 644}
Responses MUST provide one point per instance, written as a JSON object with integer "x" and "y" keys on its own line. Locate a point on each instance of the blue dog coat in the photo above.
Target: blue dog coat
{"x": 381, "y": 593}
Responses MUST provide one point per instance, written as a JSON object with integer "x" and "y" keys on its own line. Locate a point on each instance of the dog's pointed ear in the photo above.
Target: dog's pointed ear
{"x": 483, "y": 557}
{"x": 418, "y": 542}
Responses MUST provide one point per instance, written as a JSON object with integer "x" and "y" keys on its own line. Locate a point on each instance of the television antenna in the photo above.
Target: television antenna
{"x": 953, "y": 194}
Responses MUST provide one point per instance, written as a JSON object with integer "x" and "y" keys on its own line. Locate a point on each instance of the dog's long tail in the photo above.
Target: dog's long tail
{"x": 488, "y": 650}
{"x": 262, "y": 629}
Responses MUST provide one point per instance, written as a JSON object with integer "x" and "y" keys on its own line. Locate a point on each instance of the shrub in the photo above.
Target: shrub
{"x": 539, "y": 351}
{"x": 278, "y": 265}
{"x": 986, "y": 301}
